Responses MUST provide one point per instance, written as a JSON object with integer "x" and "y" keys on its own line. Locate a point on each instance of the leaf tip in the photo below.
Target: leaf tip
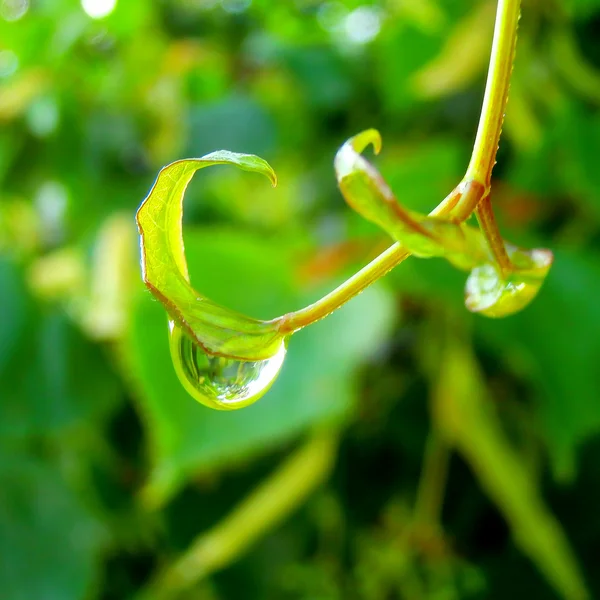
{"x": 369, "y": 136}
{"x": 273, "y": 178}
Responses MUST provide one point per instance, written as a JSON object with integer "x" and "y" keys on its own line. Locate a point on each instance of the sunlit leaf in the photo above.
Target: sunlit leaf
{"x": 365, "y": 190}
{"x": 216, "y": 329}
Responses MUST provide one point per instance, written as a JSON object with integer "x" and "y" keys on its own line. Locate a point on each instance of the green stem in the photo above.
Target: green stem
{"x": 487, "y": 141}
{"x": 495, "y": 98}
{"x": 377, "y": 268}
{"x": 268, "y": 504}
{"x": 465, "y": 198}
{"x": 487, "y": 222}
{"x": 430, "y": 495}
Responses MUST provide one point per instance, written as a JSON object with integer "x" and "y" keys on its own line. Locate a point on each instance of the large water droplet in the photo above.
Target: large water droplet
{"x": 219, "y": 382}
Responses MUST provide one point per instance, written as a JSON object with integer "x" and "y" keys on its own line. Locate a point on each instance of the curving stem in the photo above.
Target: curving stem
{"x": 472, "y": 194}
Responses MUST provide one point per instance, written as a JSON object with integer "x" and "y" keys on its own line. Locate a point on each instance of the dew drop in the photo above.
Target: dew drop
{"x": 217, "y": 381}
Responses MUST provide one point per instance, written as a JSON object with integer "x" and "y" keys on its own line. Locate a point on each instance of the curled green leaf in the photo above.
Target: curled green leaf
{"x": 489, "y": 290}
{"x": 365, "y": 190}
{"x": 217, "y": 330}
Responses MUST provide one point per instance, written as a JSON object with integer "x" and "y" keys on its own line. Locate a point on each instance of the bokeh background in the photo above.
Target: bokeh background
{"x": 409, "y": 449}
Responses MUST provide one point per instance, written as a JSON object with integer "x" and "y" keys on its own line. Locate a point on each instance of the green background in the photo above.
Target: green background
{"x": 452, "y": 439}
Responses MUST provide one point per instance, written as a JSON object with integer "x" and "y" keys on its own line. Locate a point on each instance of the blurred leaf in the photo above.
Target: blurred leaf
{"x": 15, "y": 306}
{"x": 9, "y": 147}
{"x": 56, "y": 381}
{"x": 323, "y": 77}
{"x": 464, "y": 415}
{"x": 17, "y": 94}
{"x": 269, "y": 503}
{"x": 112, "y": 278}
{"x": 407, "y": 45}
{"x": 565, "y": 163}
{"x": 521, "y": 125}
{"x": 403, "y": 50}
{"x": 463, "y": 57}
{"x": 50, "y": 543}
{"x": 236, "y": 122}
{"x": 58, "y": 275}
{"x": 577, "y": 144}
{"x": 315, "y": 384}
{"x": 555, "y": 343}
{"x": 572, "y": 65}
{"x": 582, "y": 8}
{"x": 421, "y": 173}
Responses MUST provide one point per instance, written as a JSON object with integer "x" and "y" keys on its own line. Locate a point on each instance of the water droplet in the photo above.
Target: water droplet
{"x": 491, "y": 295}
{"x": 42, "y": 116}
{"x": 363, "y": 24}
{"x": 217, "y": 381}
{"x": 98, "y": 9}
{"x": 9, "y": 63}
{"x": 13, "y": 10}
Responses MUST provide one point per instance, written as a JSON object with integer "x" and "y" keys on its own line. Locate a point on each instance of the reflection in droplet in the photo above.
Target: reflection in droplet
{"x": 51, "y": 201}
{"x": 9, "y": 63}
{"x": 13, "y": 10}
{"x": 331, "y": 16}
{"x": 363, "y": 24}
{"x": 217, "y": 381}
{"x": 236, "y": 7}
{"x": 489, "y": 294}
{"x": 97, "y": 9}
{"x": 42, "y": 116}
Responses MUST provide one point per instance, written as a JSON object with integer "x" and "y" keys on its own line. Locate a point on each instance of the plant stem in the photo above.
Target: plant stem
{"x": 487, "y": 222}
{"x": 430, "y": 495}
{"x": 270, "y": 502}
{"x": 370, "y": 273}
{"x": 465, "y": 198}
{"x": 483, "y": 157}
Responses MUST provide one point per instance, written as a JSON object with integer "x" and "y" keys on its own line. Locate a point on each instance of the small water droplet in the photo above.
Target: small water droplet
{"x": 217, "y": 381}
{"x": 486, "y": 292}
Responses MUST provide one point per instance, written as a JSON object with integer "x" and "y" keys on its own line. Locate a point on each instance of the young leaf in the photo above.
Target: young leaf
{"x": 489, "y": 290}
{"x": 365, "y": 190}
{"x": 216, "y": 329}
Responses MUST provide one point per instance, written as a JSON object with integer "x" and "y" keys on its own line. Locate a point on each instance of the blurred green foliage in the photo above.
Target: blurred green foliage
{"x": 441, "y": 455}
